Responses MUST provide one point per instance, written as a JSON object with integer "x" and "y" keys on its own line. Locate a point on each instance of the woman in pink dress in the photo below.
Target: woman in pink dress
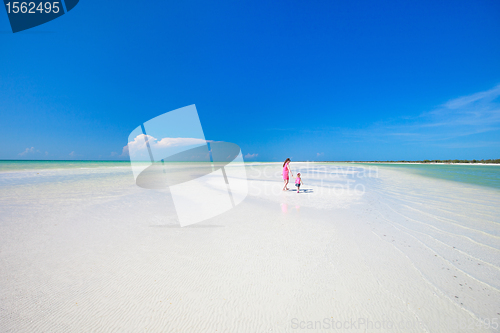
{"x": 286, "y": 171}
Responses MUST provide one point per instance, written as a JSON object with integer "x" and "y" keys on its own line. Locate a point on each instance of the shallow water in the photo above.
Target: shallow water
{"x": 21, "y": 165}
{"x": 83, "y": 248}
{"x": 483, "y": 175}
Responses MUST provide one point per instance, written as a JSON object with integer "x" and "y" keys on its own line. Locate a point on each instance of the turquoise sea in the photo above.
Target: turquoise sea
{"x": 479, "y": 174}
{"x": 10, "y": 165}
{"x": 483, "y": 175}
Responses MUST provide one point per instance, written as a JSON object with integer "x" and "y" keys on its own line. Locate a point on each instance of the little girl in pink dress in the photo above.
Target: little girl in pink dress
{"x": 298, "y": 182}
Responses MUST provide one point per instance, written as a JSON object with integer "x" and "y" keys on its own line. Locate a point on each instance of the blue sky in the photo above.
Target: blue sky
{"x": 315, "y": 80}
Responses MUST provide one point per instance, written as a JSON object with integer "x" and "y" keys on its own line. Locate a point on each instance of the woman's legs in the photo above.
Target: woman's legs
{"x": 286, "y": 183}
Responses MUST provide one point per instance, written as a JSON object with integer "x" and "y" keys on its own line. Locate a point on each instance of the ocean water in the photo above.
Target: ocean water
{"x": 11, "y": 165}
{"x": 482, "y": 175}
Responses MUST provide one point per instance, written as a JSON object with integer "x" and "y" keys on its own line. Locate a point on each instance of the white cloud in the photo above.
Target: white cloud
{"x": 73, "y": 154}
{"x": 251, "y": 155}
{"x": 29, "y": 151}
{"x": 139, "y": 143}
{"x": 457, "y": 118}
{"x": 320, "y": 154}
{"x": 483, "y": 96}
{"x": 177, "y": 142}
{"x": 125, "y": 152}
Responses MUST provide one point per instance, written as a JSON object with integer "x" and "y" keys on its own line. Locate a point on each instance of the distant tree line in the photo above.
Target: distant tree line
{"x": 497, "y": 161}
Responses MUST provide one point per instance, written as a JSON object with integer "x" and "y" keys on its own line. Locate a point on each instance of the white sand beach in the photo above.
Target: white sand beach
{"x": 362, "y": 250}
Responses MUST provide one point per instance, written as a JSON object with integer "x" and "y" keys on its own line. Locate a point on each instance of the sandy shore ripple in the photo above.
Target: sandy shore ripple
{"x": 86, "y": 250}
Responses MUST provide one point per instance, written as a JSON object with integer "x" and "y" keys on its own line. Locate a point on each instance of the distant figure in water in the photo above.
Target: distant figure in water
{"x": 286, "y": 170}
{"x": 298, "y": 182}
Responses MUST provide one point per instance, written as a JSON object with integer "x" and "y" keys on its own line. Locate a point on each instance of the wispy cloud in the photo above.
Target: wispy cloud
{"x": 74, "y": 154}
{"x": 29, "y": 151}
{"x": 457, "y": 118}
{"x": 33, "y": 153}
{"x": 465, "y": 101}
{"x": 475, "y": 144}
{"x": 251, "y": 155}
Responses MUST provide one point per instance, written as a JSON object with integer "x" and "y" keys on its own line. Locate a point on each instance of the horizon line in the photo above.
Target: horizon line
{"x": 345, "y": 161}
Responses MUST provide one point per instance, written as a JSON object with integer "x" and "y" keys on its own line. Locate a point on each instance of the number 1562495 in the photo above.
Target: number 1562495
{"x": 32, "y": 8}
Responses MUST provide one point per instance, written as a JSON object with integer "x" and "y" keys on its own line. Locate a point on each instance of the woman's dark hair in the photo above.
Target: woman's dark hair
{"x": 287, "y": 160}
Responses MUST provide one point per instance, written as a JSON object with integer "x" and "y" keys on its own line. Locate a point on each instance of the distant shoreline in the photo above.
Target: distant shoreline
{"x": 440, "y": 162}
{"x": 7, "y": 160}
{"x": 435, "y": 162}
